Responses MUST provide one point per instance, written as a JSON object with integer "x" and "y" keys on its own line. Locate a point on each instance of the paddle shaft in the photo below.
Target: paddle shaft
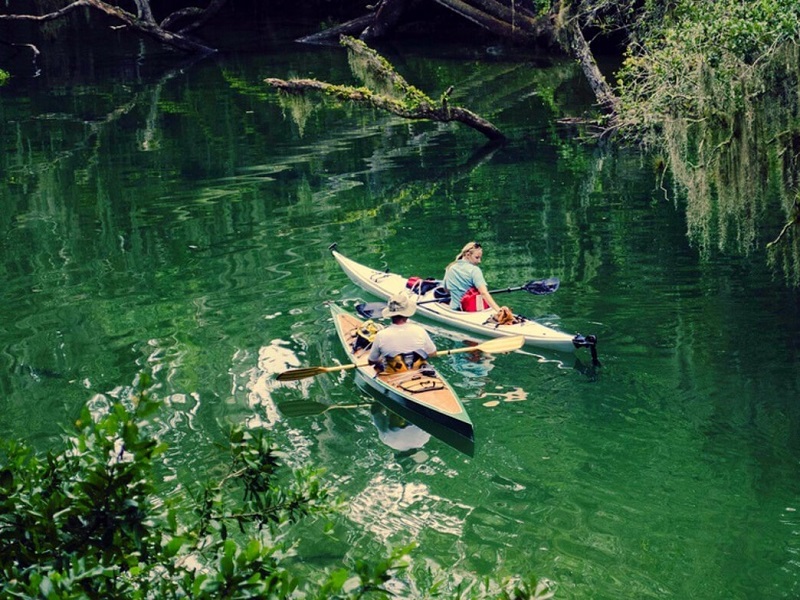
{"x": 305, "y": 408}
{"x": 504, "y": 344}
{"x": 492, "y": 292}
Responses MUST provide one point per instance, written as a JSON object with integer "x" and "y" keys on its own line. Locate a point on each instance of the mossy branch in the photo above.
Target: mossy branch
{"x": 396, "y": 95}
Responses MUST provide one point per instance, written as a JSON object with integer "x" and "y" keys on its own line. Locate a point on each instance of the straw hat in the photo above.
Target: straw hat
{"x": 400, "y": 305}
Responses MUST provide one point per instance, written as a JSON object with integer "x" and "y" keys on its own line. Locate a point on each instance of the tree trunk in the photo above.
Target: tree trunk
{"x": 575, "y": 45}
{"x": 386, "y": 19}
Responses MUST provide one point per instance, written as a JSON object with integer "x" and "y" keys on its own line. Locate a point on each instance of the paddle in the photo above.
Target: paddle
{"x": 496, "y": 346}
{"x": 307, "y": 408}
{"x": 538, "y": 287}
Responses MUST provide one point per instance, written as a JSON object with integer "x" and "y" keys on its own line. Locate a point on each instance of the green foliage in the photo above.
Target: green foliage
{"x": 4, "y": 76}
{"x": 89, "y": 522}
{"x": 702, "y": 61}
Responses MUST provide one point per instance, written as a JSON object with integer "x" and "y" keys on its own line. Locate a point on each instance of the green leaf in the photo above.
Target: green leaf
{"x": 173, "y": 546}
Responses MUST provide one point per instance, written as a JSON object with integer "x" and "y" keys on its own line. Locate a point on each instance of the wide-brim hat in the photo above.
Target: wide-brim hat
{"x": 400, "y": 305}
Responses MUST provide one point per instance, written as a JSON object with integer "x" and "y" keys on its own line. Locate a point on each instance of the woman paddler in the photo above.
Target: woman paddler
{"x": 463, "y": 275}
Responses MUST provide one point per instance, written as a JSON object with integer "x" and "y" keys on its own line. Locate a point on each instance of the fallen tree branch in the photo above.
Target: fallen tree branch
{"x": 199, "y": 16}
{"x": 145, "y": 24}
{"x": 441, "y": 114}
{"x": 400, "y": 98}
{"x": 355, "y": 27}
{"x": 56, "y": 14}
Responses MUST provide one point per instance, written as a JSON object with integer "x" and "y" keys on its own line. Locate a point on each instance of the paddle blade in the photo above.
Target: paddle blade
{"x": 497, "y": 346}
{"x": 371, "y": 310}
{"x": 542, "y": 286}
{"x": 500, "y": 345}
{"x": 308, "y": 408}
{"x": 295, "y": 374}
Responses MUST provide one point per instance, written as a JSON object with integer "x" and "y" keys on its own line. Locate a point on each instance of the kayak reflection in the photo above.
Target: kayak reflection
{"x": 397, "y": 432}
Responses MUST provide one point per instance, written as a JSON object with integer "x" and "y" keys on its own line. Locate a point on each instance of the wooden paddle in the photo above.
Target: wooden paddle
{"x": 497, "y": 346}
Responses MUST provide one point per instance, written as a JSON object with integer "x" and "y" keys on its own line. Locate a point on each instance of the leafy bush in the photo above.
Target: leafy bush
{"x": 703, "y": 60}
{"x": 89, "y": 522}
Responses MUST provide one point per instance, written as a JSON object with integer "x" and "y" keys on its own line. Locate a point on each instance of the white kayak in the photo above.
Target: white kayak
{"x": 385, "y": 284}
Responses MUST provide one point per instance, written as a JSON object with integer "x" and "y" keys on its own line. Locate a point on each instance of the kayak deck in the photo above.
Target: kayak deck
{"x": 412, "y": 393}
{"x": 385, "y": 284}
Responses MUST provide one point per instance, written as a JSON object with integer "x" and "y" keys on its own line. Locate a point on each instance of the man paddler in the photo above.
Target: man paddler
{"x": 402, "y": 345}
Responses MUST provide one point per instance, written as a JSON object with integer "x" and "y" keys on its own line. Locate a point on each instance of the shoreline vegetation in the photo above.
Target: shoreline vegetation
{"x": 92, "y": 520}
{"x": 692, "y": 76}
{"x": 709, "y": 87}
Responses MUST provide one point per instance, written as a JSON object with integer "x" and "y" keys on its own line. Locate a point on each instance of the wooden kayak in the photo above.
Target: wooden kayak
{"x": 423, "y": 398}
{"x": 385, "y": 284}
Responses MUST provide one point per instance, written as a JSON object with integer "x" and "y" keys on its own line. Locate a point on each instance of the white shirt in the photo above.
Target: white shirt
{"x": 401, "y": 339}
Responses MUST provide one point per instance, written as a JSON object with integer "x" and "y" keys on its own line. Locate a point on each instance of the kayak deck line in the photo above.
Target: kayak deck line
{"x": 384, "y": 284}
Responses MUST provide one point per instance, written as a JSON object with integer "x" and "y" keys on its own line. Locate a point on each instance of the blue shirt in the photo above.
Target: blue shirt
{"x": 459, "y": 277}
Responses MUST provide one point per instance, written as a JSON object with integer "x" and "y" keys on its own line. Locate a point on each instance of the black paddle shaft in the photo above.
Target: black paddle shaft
{"x": 538, "y": 287}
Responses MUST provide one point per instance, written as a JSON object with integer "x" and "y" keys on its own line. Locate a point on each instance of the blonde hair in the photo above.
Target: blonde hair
{"x": 468, "y": 249}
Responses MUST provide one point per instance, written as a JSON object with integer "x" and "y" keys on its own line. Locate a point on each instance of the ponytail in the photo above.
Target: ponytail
{"x": 467, "y": 249}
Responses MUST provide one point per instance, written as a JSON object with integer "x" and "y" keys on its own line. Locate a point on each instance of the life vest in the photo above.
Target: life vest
{"x": 422, "y": 286}
{"x": 410, "y": 361}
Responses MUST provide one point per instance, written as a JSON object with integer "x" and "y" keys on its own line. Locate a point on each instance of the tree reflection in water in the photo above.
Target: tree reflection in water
{"x": 739, "y": 167}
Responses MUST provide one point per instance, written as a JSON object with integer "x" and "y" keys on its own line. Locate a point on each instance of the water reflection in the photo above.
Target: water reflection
{"x": 388, "y": 504}
{"x": 397, "y": 432}
{"x": 739, "y": 172}
{"x": 395, "y": 429}
{"x": 206, "y": 259}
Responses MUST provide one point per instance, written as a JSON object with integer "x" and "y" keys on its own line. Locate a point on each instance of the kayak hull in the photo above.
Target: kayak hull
{"x": 385, "y": 284}
{"x": 425, "y": 399}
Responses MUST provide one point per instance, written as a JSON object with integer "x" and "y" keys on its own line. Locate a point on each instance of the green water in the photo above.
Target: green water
{"x": 177, "y": 222}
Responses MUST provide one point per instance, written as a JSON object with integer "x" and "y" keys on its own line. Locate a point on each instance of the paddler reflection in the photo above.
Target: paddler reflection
{"x": 395, "y": 431}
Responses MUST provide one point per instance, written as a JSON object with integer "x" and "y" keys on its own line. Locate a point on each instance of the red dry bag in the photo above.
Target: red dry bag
{"x": 472, "y": 301}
